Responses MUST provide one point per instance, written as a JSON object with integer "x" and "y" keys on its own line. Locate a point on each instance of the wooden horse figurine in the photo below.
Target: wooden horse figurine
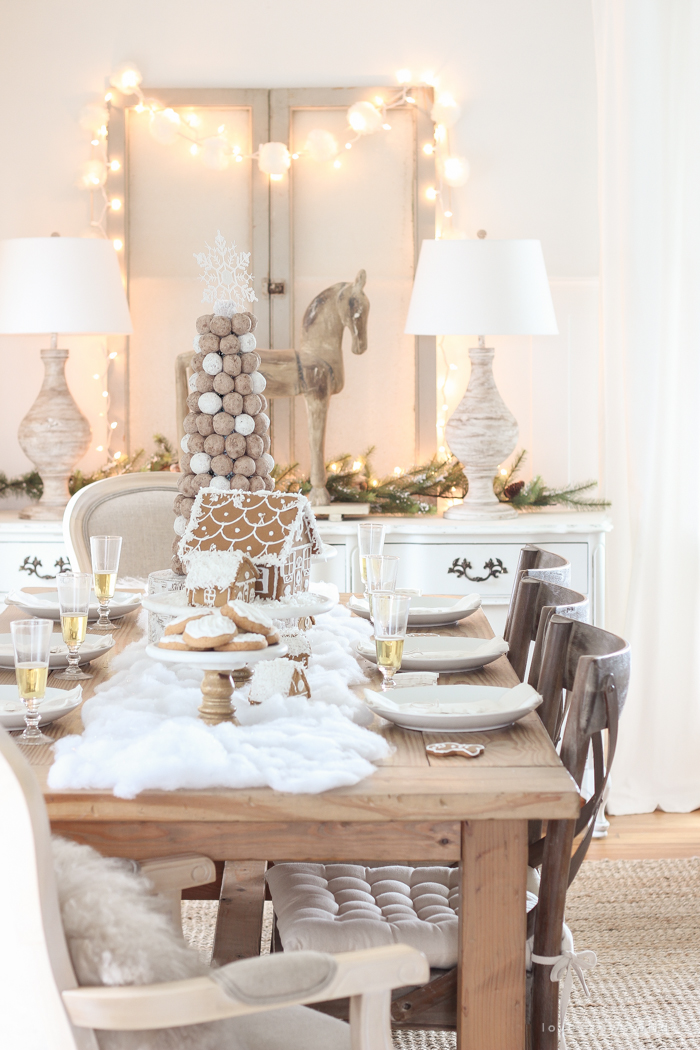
{"x": 315, "y": 370}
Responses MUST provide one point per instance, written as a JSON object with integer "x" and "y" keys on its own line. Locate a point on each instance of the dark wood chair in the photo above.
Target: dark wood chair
{"x": 541, "y": 565}
{"x": 536, "y": 602}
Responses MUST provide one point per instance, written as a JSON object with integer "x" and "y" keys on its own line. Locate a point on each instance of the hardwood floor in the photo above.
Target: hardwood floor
{"x": 649, "y": 836}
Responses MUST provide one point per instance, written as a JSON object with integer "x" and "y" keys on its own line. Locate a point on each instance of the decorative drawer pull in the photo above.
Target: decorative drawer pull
{"x": 495, "y": 568}
{"x": 32, "y": 565}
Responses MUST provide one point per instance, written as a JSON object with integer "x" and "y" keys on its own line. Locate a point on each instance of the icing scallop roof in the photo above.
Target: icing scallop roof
{"x": 264, "y": 525}
{"x": 218, "y": 568}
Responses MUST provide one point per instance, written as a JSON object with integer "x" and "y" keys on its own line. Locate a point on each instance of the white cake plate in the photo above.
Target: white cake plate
{"x": 306, "y": 603}
{"x": 219, "y": 671}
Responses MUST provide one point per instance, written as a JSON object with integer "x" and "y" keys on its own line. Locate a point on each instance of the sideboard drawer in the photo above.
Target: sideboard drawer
{"x": 462, "y": 568}
{"x": 30, "y": 563}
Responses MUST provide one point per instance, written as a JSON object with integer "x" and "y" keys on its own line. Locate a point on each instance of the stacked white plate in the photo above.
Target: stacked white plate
{"x": 94, "y": 645}
{"x": 428, "y": 610}
{"x": 457, "y": 708}
{"x": 45, "y": 605}
{"x": 57, "y": 702}
{"x": 427, "y": 652}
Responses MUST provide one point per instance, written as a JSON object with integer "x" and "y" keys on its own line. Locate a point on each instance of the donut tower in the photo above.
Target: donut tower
{"x": 226, "y": 444}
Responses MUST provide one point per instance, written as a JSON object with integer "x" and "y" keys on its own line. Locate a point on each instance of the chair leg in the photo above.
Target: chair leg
{"x": 370, "y": 1024}
{"x": 240, "y": 919}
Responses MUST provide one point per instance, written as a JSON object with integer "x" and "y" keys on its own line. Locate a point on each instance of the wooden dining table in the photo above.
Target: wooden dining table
{"x": 417, "y": 807}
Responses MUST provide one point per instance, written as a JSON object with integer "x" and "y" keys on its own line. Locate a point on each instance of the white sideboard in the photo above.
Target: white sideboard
{"x": 441, "y": 556}
{"x": 31, "y": 552}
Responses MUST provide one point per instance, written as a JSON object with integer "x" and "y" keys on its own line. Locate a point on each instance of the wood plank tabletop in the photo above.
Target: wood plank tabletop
{"x": 518, "y": 776}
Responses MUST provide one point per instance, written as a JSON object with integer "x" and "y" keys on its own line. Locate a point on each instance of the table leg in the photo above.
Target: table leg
{"x": 240, "y": 918}
{"x": 491, "y": 978}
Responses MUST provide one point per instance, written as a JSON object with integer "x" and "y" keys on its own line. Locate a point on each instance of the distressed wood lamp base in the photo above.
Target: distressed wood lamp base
{"x": 217, "y": 691}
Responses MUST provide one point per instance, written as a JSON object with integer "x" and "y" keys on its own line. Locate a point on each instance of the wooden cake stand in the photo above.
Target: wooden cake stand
{"x": 223, "y": 672}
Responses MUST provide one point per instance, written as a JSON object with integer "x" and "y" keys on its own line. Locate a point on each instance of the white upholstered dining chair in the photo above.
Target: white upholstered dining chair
{"x": 61, "y": 922}
{"x": 138, "y": 507}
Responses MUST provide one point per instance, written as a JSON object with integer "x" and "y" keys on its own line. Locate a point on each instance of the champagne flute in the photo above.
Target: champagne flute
{"x": 382, "y": 570}
{"x": 105, "y": 565}
{"x": 74, "y": 589}
{"x": 31, "y": 640}
{"x": 370, "y": 537}
{"x": 390, "y": 622}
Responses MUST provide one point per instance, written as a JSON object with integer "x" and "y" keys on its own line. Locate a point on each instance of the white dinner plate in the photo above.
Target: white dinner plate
{"x": 461, "y": 708}
{"x": 306, "y": 603}
{"x": 45, "y": 605}
{"x": 57, "y": 702}
{"x": 94, "y": 645}
{"x": 428, "y": 610}
{"x": 425, "y": 652}
{"x": 208, "y": 660}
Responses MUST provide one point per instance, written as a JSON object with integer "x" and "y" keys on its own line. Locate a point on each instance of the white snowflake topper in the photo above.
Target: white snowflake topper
{"x": 224, "y": 272}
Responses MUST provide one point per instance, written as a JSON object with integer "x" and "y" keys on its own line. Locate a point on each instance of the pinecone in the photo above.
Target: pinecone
{"x": 512, "y": 490}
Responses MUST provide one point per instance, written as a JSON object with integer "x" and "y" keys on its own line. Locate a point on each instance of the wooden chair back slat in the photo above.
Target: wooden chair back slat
{"x": 541, "y": 565}
{"x": 535, "y": 603}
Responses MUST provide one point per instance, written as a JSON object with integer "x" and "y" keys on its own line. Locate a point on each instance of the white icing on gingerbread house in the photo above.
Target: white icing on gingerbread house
{"x": 276, "y": 530}
{"x": 277, "y": 676}
{"x": 216, "y": 577}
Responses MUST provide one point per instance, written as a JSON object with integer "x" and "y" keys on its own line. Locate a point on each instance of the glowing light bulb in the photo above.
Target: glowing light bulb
{"x": 194, "y": 149}
{"x": 193, "y": 120}
{"x": 441, "y": 450}
{"x": 118, "y": 245}
{"x": 403, "y": 76}
{"x": 239, "y": 159}
{"x": 221, "y": 127}
{"x": 112, "y": 355}
{"x": 94, "y": 142}
{"x": 236, "y": 149}
{"x": 456, "y": 171}
{"x": 126, "y": 78}
{"x": 440, "y": 133}
{"x": 100, "y": 448}
{"x": 364, "y": 118}
{"x": 448, "y": 214}
{"x": 114, "y": 165}
{"x": 398, "y": 471}
{"x": 96, "y": 375}
{"x": 337, "y": 164}
{"x": 117, "y": 455}
{"x": 276, "y": 178}
{"x": 103, "y": 130}
{"x": 428, "y": 148}
{"x": 105, "y": 393}
{"x": 410, "y": 98}
{"x": 445, "y": 110}
{"x": 295, "y": 156}
{"x": 431, "y": 193}
{"x": 108, "y": 96}
{"x": 348, "y": 145}
{"x": 428, "y": 77}
{"x": 387, "y": 127}
{"x": 357, "y": 465}
{"x": 113, "y": 426}
{"x": 453, "y": 367}
{"x": 378, "y": 100}
{"x": 115, "y": 204}
{"x": 140, "y": 108}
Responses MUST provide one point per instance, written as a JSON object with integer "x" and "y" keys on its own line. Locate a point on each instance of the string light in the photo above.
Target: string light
{"x": 115, "y": 204}
{"x": 118, "y": 244}
{"x": 403, "y": 76}
{"x": 429, "y": 149}
{"x": 387, "y": 127}
{"x": 194, "y": 149}
{"x": 431, "y": 193}
{"x": 114, "y": 165}
{"x": 337, "y": 164}
{"x": 221, "y": 128}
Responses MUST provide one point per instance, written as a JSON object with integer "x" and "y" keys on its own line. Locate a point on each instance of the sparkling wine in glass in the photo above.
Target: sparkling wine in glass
{"x": 74, "y": 590}
{"x": 31, "y": 640}
{"x": 382, "y": 571}
{"x": 390, "y": 623}
{"x": 105, "y": 566}
{"x": 370, "y": 537}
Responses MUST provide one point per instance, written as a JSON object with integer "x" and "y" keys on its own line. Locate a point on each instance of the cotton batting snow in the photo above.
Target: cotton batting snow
{"x": 142, "y": 731}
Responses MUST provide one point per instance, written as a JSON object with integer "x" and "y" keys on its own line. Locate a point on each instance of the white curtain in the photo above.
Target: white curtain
{"x": 648, "y": 57}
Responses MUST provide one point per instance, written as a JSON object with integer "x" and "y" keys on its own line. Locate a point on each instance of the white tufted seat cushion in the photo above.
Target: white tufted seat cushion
{"x": 344, "y": 907}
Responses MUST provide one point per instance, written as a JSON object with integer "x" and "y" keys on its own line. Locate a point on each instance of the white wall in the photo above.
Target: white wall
{"x": 523, "y": 71}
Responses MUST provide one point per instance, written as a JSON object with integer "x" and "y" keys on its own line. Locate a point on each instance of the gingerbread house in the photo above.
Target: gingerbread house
{"x": 217, "y": 577}
{"x": 277, "y": 676}
{"x": 276, "y": 530}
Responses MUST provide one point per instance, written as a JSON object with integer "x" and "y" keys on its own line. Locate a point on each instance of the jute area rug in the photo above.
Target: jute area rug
{"x": 641, "y": 918}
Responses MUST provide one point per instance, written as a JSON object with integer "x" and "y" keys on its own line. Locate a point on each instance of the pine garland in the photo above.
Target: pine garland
{"x": 416, "y": 490}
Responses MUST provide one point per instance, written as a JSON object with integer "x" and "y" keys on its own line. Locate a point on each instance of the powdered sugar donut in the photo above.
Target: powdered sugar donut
{"x": 262, "y": 423}
{"x": 264, "y": 465}
{"x": 212, "y": 364}
{"x": 243, "y": 384}
{"x": 214, "y": 444}
{"x": 263, "y": 402}
{"x": 250, "y": 362}
{"x": 241, "y": 323}
{"x": 232, "y": 364}
{"x": 200, "y": 481}
{"x": 233, "y": 403}
{"x": 269, "y": 484}
{"x": 254, "y": 446}
{"x": 179, "y": 525}
{"x": 208, "y": 343}
{"x": 185, "y": 461}
{"x": 195, "y": 443}
{"x": 220, "y": 325}
{"x": 229, "y": 345}
{"x": 252, "y": 404}
{"x": 219, "y": 483}
{"x": 245, "y": 424}
{"x": 247, "y": 342}
{"x": 210, "y": 403}
{"x": 236, "y": 445}
{"x": 266, "y": 442}
{"x": 223, "y": 423}
{"x": 253, "y": 320}
{"x": 205, "y": 382}
{"x": 201, "y": 463}
{"x": 205, "y": 424}
{"x": 192, "y": 401}
{"x": 192, "y": 382}
{"x": 186, "y": 505}
{"x": 185, "y": 443}
{"x": 223, "y": 383}
{"x": 246, "y": 466}
{"x": 257, "y": 382}
{"x": 238, "y": 481}
{"x": 222, "y": 465}
{"x": 257, "y": 484}
{"x": 187, "y": 486}
{"x": 176, "y": 565}
{"x": 202, "y": 323}
{"x": 189, "y": 423}
{"x": 196, "y": 362}
{"x": 177, "y": 502}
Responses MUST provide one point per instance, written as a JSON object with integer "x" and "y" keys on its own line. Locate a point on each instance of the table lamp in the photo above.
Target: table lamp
{"x": 491, "y": 287}
{"x": 51, "y": 285}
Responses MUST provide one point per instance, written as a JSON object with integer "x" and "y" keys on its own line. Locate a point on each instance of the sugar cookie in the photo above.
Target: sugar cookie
{"x": 178, "y": 625}
{"x": 247, "y": 618}
{"x": 243, "y": 643}
{"x": 207, "y": 632}
{"x": 175, "y": 642}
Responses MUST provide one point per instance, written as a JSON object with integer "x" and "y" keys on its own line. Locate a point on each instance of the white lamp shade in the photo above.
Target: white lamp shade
{"x": 61, "y": 284}
{"x": 481, "y": 287}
